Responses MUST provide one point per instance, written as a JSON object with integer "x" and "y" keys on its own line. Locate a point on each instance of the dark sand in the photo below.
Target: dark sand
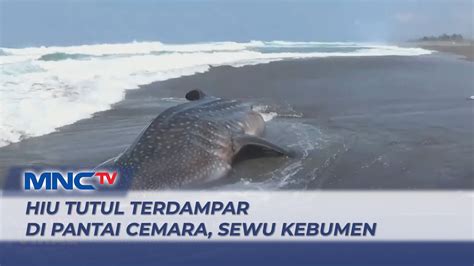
{"x": 367, "y": 123}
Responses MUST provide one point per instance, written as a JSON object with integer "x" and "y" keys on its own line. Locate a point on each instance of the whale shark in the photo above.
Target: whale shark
{"x": 192, "y": 143}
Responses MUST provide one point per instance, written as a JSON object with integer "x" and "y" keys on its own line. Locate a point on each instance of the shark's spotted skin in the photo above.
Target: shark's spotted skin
{"x": 191, "y": 143}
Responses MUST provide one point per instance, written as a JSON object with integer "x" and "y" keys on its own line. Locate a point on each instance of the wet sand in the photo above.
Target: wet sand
{"x": 358, "y": 122}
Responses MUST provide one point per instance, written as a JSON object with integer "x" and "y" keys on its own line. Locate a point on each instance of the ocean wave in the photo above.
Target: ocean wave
{"x": 62, "y": 56}
{"x": 3, "y": 52}
{"x": 44, "y": 88}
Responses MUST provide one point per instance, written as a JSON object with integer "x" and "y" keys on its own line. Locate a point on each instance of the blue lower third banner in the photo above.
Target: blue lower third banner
{"x": 239, "y": 253}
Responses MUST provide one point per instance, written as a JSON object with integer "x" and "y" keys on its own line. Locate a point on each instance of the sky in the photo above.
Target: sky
{"x": 74, "y": 22}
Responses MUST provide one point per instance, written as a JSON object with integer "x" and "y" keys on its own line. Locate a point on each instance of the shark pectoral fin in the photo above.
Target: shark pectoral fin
{"x": 242, "y": 141}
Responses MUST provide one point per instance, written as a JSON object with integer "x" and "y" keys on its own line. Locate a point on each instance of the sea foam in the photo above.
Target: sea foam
{"x": 44, "y": 88}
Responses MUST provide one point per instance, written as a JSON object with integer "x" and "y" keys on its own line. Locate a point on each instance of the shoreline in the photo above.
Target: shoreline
{"x": 327, "y": 102}
{"x": 73, "y": 82}
{"x": 463, "y": 49}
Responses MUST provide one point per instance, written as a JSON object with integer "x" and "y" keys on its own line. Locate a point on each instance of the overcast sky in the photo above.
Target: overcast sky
{"x": 67, "y": 22}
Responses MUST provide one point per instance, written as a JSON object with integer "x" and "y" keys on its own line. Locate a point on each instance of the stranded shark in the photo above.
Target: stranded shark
{"x": 192, "y": 143}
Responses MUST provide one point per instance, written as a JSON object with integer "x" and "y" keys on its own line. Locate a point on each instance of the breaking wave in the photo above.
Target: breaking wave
{"x": 44, "y": 88}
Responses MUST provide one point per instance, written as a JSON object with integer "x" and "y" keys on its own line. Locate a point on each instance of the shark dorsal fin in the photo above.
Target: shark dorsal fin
{"x": 195, "y": 94}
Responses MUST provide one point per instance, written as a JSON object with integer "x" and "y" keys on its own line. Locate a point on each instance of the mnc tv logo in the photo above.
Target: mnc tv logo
{"x": 55, "y": 180}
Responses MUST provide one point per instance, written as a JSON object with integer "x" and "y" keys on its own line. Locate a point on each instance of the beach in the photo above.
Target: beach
{"x": 370, "y": 123}
{"x": 463, "y": 49}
